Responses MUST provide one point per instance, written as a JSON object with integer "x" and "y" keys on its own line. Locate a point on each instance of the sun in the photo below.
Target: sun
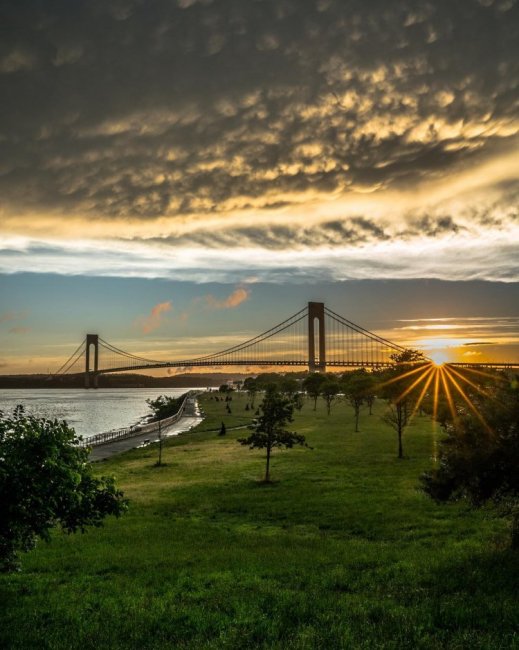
{"x": 438, "y": 357}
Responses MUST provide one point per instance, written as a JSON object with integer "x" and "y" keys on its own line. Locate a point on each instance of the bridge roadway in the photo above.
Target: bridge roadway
{"x": 303, "y": 363}
{"x": 190, "y": 418}
{"x": 260, "y": 364}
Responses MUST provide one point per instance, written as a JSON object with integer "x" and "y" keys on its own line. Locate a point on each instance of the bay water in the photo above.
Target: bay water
{"x": 87, "y": 411}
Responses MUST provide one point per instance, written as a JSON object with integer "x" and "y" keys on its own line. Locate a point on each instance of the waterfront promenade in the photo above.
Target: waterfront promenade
{"x": 190, "y": 418}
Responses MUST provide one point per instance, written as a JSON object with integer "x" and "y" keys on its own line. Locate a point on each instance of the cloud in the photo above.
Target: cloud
{"x": 239, "y": 295}
{"x": 216, "y": 106}
{"x": 13, "y": 316}
{"x": 154, "y": 320}
{"x": 8, "y": 316}
{"x": 19, "y": 330}
{"x": 258, "y": 126}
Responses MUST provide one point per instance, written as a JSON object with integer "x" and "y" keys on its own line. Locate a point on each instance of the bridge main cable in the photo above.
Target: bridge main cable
{"x": 71, "y": 360}
{"x": 120, "y": 352}
{"x": 361, "y": 330}
{"x": 280, "y": 327}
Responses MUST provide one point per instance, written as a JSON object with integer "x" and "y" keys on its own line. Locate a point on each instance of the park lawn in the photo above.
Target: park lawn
{"x": 341, "y": 551}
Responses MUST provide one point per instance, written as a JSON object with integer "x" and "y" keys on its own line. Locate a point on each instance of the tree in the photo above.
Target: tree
{"x": 329, "y": 390}
{"x": 223, "y": 430}
{"x": 479, "y": 459}
{"x": 397, "y": 389}
{"x": 46, "y": 481}
{"x": 393, "y": 390}
{"x": 251, "y": 386}
{"x": 357, "y": 386}
{"x": 408, "y": 356}
{"x": 164, "y": 406}
{"x": 312, "y": 384}
{"x": 269, "y": 430}
{"x": 289, "y": 387}
{"x": 298, "y": 401}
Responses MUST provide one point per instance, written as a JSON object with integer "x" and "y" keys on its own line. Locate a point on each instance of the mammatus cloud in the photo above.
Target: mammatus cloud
{"x": 153, "y": 321}
{"x": 289, "y": 134}
{"x": 239, "y": 295}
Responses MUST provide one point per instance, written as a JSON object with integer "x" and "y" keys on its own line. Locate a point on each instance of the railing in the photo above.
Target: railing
{"x": 134, "y": 430}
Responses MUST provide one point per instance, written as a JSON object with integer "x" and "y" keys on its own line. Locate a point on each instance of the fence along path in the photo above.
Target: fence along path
{"x": 134, "y": 430}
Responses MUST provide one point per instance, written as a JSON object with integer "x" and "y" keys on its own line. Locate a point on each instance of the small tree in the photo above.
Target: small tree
{"x": 250, "y": 385}
{"x": 479, "y": 459}
{"x": 330, "y": 389}
{"x": 357, "y": 386}
{"x": 269, "y": 430}
{"x": 164, "y": 406}
{"x": 289, "y": 387}
{"x": 46, "y": 481}
{"x": 298, "y": 401}
{"x": 312, "y": 385}
{"x": 395, "y": 389}
{"x": 398, "y": 405}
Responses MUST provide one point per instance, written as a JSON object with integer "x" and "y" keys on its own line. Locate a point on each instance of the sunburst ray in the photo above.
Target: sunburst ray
{"x": 448, "y": 395}
{"x": 424, "y": 390}
{"x": 426, "y": 372}
{"x": 467, "y": 400}
{"x": 409, "y": 373}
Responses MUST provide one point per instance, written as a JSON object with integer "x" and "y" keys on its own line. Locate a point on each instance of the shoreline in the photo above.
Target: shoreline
{"x": 190, "y": 418}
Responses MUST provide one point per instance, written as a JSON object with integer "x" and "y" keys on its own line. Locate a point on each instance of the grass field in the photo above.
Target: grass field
{"x": 341, "y": 551}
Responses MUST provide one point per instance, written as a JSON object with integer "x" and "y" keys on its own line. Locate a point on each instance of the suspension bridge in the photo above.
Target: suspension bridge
{"x": 315, "y": 337}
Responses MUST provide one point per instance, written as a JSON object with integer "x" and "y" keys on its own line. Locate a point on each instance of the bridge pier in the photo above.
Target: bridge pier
{"x": 316, "y": 363}
{"x": 91, "y": 339}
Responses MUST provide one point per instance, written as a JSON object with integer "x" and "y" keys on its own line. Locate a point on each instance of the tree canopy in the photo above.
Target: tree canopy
{"x": 479, "y": 458}
{"x": 312, "y": 385}
{"x": 46, "y": 481}
{"x": 165, "y": 406}
{"x": 269, "y": 429}
{"x": 330, "y": 389}
{"x": 358, "y": 387}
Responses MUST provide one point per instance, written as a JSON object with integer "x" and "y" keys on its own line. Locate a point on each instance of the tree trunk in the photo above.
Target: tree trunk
{"x": 267, "y": 469}
{"x": 400, "y": 449}
{"x": 160, "y": 444}
{"x": 515, "y": 531}
{"x": 357, "y": 410}
{"x": 315, "y": 403}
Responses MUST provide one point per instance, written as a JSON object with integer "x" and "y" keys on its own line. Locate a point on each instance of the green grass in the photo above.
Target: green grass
{"x": 342, "y": 551}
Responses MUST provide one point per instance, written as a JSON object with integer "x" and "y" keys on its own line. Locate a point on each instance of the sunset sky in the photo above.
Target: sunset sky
{"x": 179, "y": 175}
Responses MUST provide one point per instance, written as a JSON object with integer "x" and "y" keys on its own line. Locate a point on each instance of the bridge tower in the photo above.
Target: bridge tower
{"x": 316, "y": 363}
{"x": 91, "y": 339}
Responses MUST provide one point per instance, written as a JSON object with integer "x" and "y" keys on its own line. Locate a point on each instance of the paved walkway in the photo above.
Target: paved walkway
{"x": 189, "y": 419}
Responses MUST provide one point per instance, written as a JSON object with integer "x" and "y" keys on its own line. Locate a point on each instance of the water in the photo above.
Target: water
{"x": 87, "y": 411}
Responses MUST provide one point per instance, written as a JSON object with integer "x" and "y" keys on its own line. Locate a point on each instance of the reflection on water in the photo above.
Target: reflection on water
{"x": 88, "y": 411}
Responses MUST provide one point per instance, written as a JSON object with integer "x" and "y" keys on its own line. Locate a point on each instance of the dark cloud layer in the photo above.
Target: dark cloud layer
{"x": 145, "y": 109}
